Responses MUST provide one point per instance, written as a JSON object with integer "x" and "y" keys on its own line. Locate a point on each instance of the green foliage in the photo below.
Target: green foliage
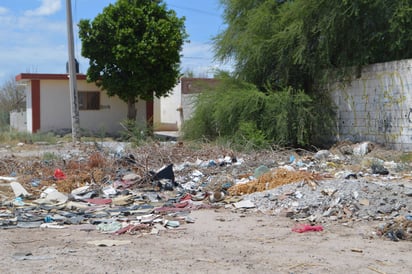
{"x": 294, "y": 43}
{"x": 50, "y": 156}
{"x": 14, "y": 137}
{"x": 239, "y": 112}
{"x": 4, "y": 120}
{"x": 249, "y": 137}
{"x": 134, "y": 49}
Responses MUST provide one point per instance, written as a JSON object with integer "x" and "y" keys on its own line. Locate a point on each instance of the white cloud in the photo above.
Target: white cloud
{"x": 47, "y": 7}
{"x": 3, "y": 10}
{"x": 199, "y": 59}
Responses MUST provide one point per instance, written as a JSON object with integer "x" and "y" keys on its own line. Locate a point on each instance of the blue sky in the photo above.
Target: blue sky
{"x": 34, "y": 36}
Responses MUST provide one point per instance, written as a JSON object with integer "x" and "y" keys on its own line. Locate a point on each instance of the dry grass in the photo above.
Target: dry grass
{"x": 274, "y": 179}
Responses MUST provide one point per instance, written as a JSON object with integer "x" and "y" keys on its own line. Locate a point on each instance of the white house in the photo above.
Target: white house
{"x": 48, "y": 106}
{"x": 170, "y": 112}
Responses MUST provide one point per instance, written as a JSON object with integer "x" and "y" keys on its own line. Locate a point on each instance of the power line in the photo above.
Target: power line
{"x": 196, "y": 10}
{"x": 195, "y": 57}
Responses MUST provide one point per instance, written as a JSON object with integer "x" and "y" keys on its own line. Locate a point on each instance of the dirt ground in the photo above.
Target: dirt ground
{"x": 219, "y": 241}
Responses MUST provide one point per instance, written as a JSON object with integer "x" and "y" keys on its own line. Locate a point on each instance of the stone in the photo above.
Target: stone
{"x": 322, "y": 155}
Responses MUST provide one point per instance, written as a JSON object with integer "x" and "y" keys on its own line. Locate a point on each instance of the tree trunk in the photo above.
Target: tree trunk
{"x": 131, "y": 109}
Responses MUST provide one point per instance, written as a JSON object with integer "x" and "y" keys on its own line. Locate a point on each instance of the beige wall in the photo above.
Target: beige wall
{"x": 56, "y": 113}
{"x": 166, "y": 116}
{"x": 29, "y": 107}
{"x": 54, "y": 105}
{"x": 184, "y": 94}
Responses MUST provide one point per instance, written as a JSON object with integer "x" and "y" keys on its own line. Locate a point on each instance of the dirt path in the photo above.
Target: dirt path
{"x": 220, "y": 241}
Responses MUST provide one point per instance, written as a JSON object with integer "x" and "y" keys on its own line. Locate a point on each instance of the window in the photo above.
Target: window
{"x": 89, "y": 100}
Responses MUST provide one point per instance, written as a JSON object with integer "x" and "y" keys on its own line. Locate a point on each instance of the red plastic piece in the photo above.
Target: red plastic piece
{"x": 306, "y": 228}
{"x": 182, "y": 204}
{"x": 186, "y": 197}
{"x": 59, "y": 175}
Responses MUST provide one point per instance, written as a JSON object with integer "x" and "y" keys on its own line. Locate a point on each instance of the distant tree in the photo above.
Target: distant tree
{"x": 12, "y": 97}
{"x": 189, "y": 73}
{"x": 295, "y": 42}
{"x": 134, "y": 50}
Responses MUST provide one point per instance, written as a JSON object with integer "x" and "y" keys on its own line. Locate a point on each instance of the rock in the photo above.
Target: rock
{"x": 131, "y": 177}
{"x": 364, "y": 202}
{"x": 346, "y": 149}
{"x": 244, "y": 204}
{"x": 322, "y": 155}
{"x": 363, "y": 148}
{"x": 379, "y": 169}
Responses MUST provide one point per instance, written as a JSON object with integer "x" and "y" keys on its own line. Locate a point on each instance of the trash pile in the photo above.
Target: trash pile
{"x": 109, "y": 189}
{"x": 114, "y": 188}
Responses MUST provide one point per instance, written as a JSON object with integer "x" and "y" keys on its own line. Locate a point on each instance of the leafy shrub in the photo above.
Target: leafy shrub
{"x": 239, "y": 112}
{"x": 249, "y": 137}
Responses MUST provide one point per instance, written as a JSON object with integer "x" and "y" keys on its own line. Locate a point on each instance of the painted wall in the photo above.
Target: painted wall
{"x": 184, "y": 94}
{"x": 29, "y": 107}
{"x": 18, "y": 120}
{"x": 56, "y": 113}
{"x": 54, "y": 105}
{"x": 48, "y": 106}
{"x": 377, "y": 106}
{"x": 166, "y": 116}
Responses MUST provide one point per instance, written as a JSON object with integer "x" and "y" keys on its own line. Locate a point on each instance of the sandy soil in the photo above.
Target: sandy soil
{"x": 220, "y": 241}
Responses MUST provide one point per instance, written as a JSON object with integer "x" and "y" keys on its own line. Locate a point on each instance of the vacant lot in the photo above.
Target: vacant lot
{"x": 219, "y": 238}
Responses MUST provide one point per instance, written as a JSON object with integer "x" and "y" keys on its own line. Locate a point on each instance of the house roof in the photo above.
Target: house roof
{"x": 197, "y": 85}
{"x": 46, "y": 76}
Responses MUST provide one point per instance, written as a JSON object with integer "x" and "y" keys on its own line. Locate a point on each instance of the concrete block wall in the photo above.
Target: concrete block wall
{"x": 377, "y": 106}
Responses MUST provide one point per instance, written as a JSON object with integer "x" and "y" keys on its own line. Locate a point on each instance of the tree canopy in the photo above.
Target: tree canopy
{"x": 292, "y": 42}
{"x": 134, "y": 48}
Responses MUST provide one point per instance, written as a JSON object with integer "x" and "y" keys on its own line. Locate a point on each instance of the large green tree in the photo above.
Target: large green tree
{"x": 295, "y": 42}
{"x": 134, "y": 50}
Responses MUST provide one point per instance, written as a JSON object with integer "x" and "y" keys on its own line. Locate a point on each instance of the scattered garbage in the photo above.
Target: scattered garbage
{"x": 119, "y": 191}
{"x": 379, "y": 169}
{"x": 399, "y": 228}
{"x": 19, "y": 190}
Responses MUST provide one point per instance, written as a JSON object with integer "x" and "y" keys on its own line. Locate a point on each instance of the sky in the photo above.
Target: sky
{"x": 33, "y": 34}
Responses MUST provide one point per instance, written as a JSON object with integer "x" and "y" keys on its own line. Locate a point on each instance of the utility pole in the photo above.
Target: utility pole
{"x": 72, "y": 76}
